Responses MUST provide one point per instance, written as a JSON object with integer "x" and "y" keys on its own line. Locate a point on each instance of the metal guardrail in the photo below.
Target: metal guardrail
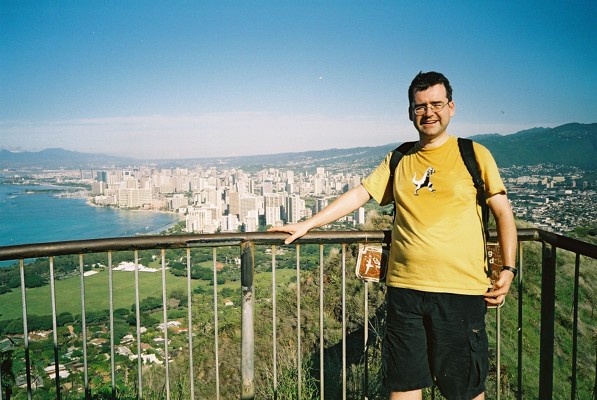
{"x": 247, "y": 243}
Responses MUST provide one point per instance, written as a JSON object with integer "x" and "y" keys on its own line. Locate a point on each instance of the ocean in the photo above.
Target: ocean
{"x": 36, "y": 214}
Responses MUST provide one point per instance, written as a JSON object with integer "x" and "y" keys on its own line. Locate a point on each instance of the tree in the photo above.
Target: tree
{"x": 64, "y": 318}
{"x": 8, "y": 377}
{"x": 378, "y": 222}
{"x": 180, "y": 295}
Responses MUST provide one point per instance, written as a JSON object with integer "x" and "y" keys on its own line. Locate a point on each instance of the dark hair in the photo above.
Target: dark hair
{"x": 424, "y": 80}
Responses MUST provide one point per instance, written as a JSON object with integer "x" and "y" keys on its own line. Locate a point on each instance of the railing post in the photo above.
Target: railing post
{"x": 575, "y": 327}
{"x": 216, "y": 322}
{"x": 548, "y": 304}
{"x": 190, "y": 325}
{"x": 111, "y": 303}
{"x": 299, "y": 359}
{"x": 25, "y": 329}
{"x": 138, "y": 318}
{"x": 83, "y": 328}
{"x": 247, "y": 321}
{"x": 165, "y": 316}
{"x": 520, "y": 321}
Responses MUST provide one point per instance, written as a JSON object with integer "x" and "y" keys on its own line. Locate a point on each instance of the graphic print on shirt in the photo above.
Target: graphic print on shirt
{"x": 424, "y": 181}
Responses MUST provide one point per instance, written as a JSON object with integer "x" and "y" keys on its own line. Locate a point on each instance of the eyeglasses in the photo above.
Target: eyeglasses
{"x": 435, "y": 107}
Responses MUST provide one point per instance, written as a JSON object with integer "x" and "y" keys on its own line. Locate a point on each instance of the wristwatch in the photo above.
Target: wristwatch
{"x": 511, "y": 269}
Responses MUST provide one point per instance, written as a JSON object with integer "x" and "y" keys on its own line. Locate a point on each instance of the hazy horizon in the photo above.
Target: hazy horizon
{"x": 236, "y": 78}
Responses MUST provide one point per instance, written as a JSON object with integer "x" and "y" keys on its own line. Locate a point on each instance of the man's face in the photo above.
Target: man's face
{"x": 431, "y": 124}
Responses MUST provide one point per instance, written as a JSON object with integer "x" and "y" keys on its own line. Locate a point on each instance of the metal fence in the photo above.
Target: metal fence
{"x": 20, "y": 355}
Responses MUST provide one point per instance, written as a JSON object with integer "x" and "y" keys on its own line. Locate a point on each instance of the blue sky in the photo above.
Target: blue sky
{"x": 175, "y": 79}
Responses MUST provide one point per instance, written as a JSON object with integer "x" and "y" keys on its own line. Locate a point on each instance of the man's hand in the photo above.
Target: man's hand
{"x": 501, "y": 288}
{"x": 295, "y": 230}
{"x": 346, "y": 203}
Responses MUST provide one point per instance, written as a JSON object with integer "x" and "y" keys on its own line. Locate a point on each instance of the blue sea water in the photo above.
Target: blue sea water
{"x": 30, "y": 215}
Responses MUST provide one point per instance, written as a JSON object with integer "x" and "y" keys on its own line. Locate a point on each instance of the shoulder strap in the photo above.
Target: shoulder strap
{"x": 397, "y": 155}
{"x": 467, "y": 153}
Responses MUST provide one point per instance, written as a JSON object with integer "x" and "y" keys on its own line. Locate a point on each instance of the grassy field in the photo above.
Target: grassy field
{"x": 68, "y": 297}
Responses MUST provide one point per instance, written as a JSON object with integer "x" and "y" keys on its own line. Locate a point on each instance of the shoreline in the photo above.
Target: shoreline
{"x": 90, "y": 203}
{"x": 156, "y": 231}
{"x": 44, "y": 217}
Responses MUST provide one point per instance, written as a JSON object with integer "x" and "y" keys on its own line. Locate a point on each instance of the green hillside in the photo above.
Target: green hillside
{"x": 571, "y": 144}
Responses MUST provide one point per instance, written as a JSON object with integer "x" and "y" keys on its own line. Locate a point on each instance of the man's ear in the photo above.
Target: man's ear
{"x": 410, "y": 113}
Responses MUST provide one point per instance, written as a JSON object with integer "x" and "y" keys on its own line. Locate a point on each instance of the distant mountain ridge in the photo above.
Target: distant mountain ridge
{"x": 56, "y": 158}
{"x": 572, "y": 144}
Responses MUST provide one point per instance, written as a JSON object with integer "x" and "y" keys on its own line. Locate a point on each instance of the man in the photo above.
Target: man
{"x": 437, "y": 275}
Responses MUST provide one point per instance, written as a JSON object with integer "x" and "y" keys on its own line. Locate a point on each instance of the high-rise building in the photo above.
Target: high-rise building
{"x": 233, "y": 202}
{"x": 200, "y": 220}
{"x": 360, "y": 216}
{"x": 229, "y": 223}
{"x": 320, "y": 204}
{"x": 267, "y": 187}
{"x": 134, "y": 198}
{"x": 318, "y": 186}
{"x": 98, "y": 188}
{"x": 248, "y": 204}
{"x": 294, "y": 208}
{"x": 273, "y": 208}
{"x": 252, "y": 222}
{"x": 177, "y": 201}
{"x": 101, "y": 176}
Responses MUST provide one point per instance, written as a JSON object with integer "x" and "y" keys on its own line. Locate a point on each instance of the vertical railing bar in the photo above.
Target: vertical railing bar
{"x": 25, "y": 329}
{"x": 165, "y": 318}
{"x": 343, "y": 321}
{"x": 247, "y": 320}
{"x": 54, "y": 329}
{"x": 84, "y": 327}
{"x": 190, "y": 324}
{"x": 274, "y": 325}
{"x": 138, "y": 315}
{"x": 520, "y": 312}
{"x": 365, "y": 342}
{"x": 575, "y": 326}
{"x": 298, "y": 321}
{"x": 498, "y": 343}
{"x": 547, "y": 336}
{"x": 321, "y": 337}
{"x": 595, "y": 381}
{"x": 111, "y": 301}
{"x": 216, "y": 328}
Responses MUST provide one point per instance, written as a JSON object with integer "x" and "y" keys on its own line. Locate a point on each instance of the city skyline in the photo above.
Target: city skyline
{"x": 243, "y": 78}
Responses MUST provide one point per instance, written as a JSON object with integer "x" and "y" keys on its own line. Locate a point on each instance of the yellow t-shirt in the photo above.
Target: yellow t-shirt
{"x": 438, "y": 243}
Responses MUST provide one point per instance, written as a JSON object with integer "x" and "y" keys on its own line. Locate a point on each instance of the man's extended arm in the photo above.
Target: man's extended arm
{"x": 507, "y": 236}
{"x": 346, "y": 203}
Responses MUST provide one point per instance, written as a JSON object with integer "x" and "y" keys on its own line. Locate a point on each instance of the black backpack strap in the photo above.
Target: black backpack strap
{"x": 468, "y": 156}
{"x": 397, "y": 155}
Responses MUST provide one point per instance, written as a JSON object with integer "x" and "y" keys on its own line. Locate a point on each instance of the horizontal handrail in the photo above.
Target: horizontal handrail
{"x": 567, "y": 243}
{"x": 144, "y": 242}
